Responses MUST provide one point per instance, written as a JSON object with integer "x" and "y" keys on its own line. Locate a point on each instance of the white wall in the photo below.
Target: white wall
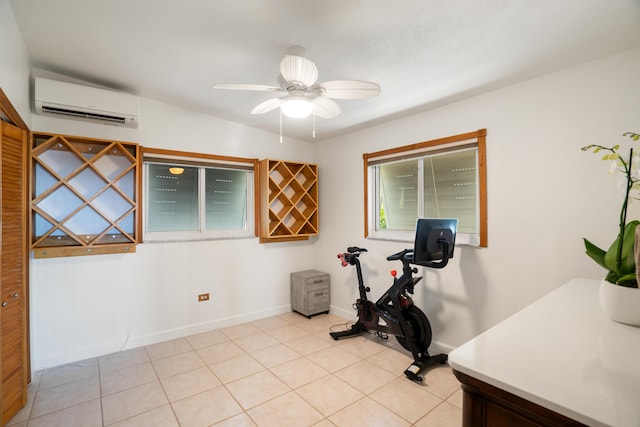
{"x": 87, "y": 306}
{"x": 544, "y": 194}
{"x": 14, "y": 62}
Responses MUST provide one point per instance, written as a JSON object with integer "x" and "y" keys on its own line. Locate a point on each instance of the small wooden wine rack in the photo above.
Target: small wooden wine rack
{"x": 288, "y": 200}
{"x": 84, "y": 196}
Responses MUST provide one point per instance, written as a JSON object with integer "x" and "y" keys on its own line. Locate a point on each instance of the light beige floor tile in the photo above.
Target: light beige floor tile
{"x": 177, "y": 364}
{"x": 270, "y": 323}
{"x": 288, "y": 333}
{"x": 87, "y": 414}
{"x": 299, "y": 372}
{"x": 333, "y": 359}
{"x": 257, "y": 388}
{"x": 241, "y": 331}
{"x": 160, "y": 417}
{"x": 123, "y": 359}
{"x": 128, "y": 403}
{"x": 409, "y": 400}
{"x": 275, "y": 355}
{"x": 206, "y": 408}
{"x": 456, "y": 398}
{"x": 365, "y": 377}
{"x": 366, "y": 413}
{"x": 355, "y": 381}
{"x": 168, "y": 348}
{"x": 122, "y": 379}
{"x": 441, "y": 381}
{"x": 220, "y": 352}
{"x": 189, "y": 383}
{"x": 392, "y": 360}
{"x": 292, "y": 317}
{"x": 65, "y": 395}
{"x": 207, "y": 339}
{"x": 362, "y": 346}
{"x": 329, "y": 394}
{"x": 316, "y": 324}
{"x": 444, "y": 415}
{"x": 68, "y": 373}
{"x": 240, "y": 420}
{"x": 236, "y": 368}
{"x": 324, "y": 336}
{"x": 324, "y": 423}
{"x": 337, "y": 320}
{"x": 308, "y": 344}
{"x": 256, "y": 342}
{"x": 288, "y": 410}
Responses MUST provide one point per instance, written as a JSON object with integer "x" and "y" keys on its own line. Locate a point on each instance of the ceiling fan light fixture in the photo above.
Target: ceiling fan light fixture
{"x": 296, "y": 107}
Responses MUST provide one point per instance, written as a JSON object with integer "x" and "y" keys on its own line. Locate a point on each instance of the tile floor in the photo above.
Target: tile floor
{"x": 280, "y": 371}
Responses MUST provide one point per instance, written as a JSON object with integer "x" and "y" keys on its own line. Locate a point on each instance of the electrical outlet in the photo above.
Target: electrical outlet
{"x": 203, "y": 297}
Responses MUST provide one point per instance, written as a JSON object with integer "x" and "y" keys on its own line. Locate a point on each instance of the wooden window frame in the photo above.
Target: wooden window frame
{"x": 204, "y": 160}
{"x": 421, "y": 148}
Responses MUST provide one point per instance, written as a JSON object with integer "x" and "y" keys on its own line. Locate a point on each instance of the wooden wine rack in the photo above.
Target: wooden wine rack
{"x": 84, "y": 196}
{"x": 288, "y": 200}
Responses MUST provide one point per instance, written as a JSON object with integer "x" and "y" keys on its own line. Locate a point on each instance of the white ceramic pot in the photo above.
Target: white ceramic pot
{"x": 620, "y": 303}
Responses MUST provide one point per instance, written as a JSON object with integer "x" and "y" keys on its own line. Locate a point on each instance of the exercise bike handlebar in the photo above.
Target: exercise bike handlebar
{"x": 401, "y": 255}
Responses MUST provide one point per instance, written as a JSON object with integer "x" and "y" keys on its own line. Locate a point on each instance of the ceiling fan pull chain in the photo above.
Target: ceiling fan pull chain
{"x": 280, "y": 126}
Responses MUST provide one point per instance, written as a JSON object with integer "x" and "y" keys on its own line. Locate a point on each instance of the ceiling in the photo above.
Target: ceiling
{"x": 422, "y": 53}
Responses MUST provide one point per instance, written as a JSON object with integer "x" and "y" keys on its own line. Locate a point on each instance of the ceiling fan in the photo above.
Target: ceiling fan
{"x": 302, "y": 95}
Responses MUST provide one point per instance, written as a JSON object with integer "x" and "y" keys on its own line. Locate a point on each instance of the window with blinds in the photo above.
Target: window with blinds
{"x": 444, "y": 178}
{"x": 195, "y": 198}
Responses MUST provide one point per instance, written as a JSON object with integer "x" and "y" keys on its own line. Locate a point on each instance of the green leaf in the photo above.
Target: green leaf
{"x": 627, "y": 278}
{"x": 595, "y": 253}
{"x": 628, "y": 263}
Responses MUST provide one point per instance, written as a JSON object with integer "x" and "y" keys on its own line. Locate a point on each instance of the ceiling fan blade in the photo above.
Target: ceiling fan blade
{"x": 349, "y": 89}
{"x": 268, "y": 105}
{"x": 298, "y": 69}
{"x": 325, "y": 107}
{"x": 259, "y": 88}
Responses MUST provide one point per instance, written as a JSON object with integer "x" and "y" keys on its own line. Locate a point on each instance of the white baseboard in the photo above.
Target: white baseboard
{"x": 127, "y": 342}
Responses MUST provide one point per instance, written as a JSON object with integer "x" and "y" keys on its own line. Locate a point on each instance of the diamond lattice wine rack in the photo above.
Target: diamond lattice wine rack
{"x": 84, "y": 196}
{"x": 288, "y": 200}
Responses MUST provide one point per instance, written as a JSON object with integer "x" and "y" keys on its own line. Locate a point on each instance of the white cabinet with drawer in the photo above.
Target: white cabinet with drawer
{"x": 310, "y": 292}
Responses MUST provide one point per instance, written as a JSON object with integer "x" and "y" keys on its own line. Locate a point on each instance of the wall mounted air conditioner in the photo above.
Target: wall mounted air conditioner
{"x": 67, "y": 100}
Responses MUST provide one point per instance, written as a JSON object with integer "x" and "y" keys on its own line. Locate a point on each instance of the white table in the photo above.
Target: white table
{"x": 561, "y": 354}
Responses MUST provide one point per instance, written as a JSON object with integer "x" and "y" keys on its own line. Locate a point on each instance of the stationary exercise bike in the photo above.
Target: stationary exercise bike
{"x": 394, "y": 313}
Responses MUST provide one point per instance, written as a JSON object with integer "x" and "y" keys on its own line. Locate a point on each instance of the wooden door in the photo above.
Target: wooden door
{"x": 13, "y": 270}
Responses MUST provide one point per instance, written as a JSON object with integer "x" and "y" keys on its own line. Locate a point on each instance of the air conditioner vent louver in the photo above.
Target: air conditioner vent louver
{"x": 86, "y": 115}
{"x": 96, "y": 105}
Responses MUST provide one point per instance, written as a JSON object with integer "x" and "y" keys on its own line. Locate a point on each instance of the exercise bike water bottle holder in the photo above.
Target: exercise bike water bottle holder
{"x": 394, "y": 313}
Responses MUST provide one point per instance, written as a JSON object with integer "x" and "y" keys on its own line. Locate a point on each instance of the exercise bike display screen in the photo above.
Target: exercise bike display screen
{"x": 431, "y": 233}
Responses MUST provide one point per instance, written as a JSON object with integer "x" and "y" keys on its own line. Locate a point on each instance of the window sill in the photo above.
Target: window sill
{"x": 462, "y": 239}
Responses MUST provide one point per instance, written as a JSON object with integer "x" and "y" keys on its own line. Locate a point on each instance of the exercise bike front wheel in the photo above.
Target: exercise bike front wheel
{"x": 421, "y": 329}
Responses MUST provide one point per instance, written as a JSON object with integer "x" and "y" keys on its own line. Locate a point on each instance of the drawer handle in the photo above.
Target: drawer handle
{"x": 318, "y": 281}
{"x": 4, "y": 303}
{"x": 320, "y": 294}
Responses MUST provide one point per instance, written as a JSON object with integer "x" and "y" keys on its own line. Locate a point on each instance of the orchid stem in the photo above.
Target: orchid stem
{"x": 623, "y": 213}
